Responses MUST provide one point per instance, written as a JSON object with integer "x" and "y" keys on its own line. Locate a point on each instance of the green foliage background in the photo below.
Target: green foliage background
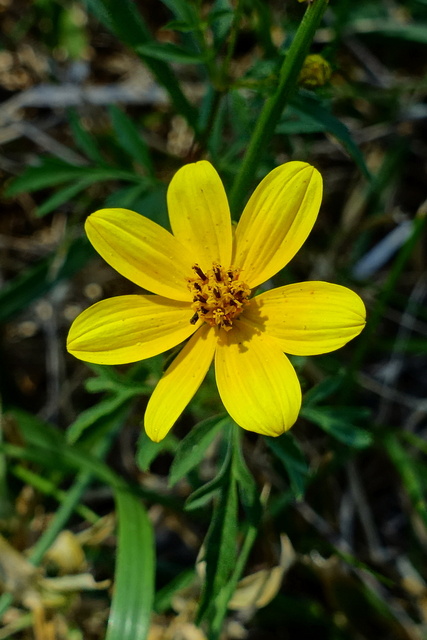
{"x": 103, "y": 102}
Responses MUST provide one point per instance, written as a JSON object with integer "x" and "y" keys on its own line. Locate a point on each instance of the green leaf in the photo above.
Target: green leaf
{"x": 323, "y": 390}
{"x": 192, "y": 448}
{"x": 124, "y": 20}
{"x": 18, "y": 293}
{"x": 107, "y": 379}
{"x": 184, "y": 11}
{"x": 205, "y": 493}
{"x": 130, "y": 139}
{"x": 286, "y": 449}
{"x": 64, "y": 195}
{"x": 221, "y": 19}
{"x": 148, "y": 450}
{"x": 309, "y": 105}
{"x": 135, "y": 569}
{"x": 84, "y": 140}
{"x": 248, "y": 488}
{"x": 127, "y": 197}
{"x": 406, "y": 465}
{"x": 163, "y": 599}
{"x": 220, "y": 545}
{"x": 52, "y": 172}
{"x": 96, "y": 412}
{"x": 339, "y": 423}
{"x": 36, "y": 432}
{"x": 170, "y": 53}
{"x": 412, "y": 32}
{"x": 45, "y": 445}
{"x": 49, "y": 173}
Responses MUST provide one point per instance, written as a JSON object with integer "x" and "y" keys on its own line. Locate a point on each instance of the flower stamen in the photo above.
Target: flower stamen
{"x": 218, "y": 296}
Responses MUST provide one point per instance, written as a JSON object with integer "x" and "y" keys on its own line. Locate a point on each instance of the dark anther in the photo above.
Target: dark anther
{"x": 199, "y": 298}
{"x": 216, "y": 293}
{"x": 227, "y": 322}
{"x": 204, "y": 310}
{"x": 194, "y": 318}
{"x": 197, "y": 286}
{"x": 217, "y": 272}
{"x": 230, "y": 275}
{"x": 199, "y": 272}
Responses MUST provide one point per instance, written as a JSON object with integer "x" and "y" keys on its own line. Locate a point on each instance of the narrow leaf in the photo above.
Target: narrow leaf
{"x": 148, "y": 450}
{"x": 192, "y": 448}
{"x": 64, "y": 195}
{"x": 134, "y": 585}
{"x": 130, "y": 139}
{"x": 338, "y": 422}
{"x": 310, "y": 105}
{"x": 170, "y": 53}
{"x": 221, "y": 545}
{"x": 18, "y": 293}
{"x": 84, "y": 140}
{"x": 288, "y": 452}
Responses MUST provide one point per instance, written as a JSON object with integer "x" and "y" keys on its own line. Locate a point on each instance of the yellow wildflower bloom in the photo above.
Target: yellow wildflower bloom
{"x": 202, "y": 276}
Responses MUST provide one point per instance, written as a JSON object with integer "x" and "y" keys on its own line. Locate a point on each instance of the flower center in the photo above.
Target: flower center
{"x": 218, "y": 295}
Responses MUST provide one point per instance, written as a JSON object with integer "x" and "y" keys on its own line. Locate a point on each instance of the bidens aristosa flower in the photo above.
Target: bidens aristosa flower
{"x": 202, "y": 276}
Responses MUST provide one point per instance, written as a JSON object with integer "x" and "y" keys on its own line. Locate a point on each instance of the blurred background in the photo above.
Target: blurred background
{"x": 100, "y": 105}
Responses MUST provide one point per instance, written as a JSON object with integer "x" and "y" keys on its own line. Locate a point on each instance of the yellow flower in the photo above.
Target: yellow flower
{"x": 202, "y": 276}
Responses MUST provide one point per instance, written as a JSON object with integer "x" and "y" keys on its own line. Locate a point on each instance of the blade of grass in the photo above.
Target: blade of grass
{"x": 134, "y": 585}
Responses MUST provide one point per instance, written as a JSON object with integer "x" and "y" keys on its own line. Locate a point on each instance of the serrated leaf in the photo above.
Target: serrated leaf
{"x": 192, "y": 448}
{"x": 130, "y": 139}
{"x": 286, "y": 449}
{"x": 338, "y": 422}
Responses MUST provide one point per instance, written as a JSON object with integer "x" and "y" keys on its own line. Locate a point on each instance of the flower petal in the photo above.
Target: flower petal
{"x": 129, "y": 328}
{"x": 179, "y": 383}
{"x": 199, "y": 214}
{"x": 276, "y": 221}
{"x": 141, "y": 251}
{"x": 256, "y": 382}
{"x": 308, "y": 318}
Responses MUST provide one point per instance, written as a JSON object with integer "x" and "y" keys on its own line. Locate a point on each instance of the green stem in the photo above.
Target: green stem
{"x": 274, "y": 106}
{"x": 230, "y": 588}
